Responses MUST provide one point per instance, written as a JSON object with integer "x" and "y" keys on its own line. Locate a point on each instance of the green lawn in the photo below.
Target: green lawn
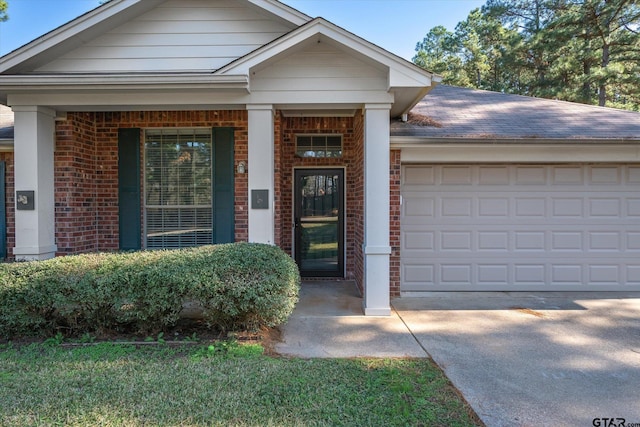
{"x": 110, "y": 384}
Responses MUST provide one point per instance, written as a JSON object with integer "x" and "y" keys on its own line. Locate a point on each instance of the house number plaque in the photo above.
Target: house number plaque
{"x": 259, "y": 199}
{"x": 25, "y": 200}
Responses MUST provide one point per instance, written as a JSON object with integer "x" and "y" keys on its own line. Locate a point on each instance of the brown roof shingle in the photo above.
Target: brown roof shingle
{"x": 469, "y": 113}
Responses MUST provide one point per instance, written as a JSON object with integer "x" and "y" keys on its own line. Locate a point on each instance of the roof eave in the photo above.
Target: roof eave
{"x": 138, "y": 81}
{"x": 282, "y": 11}
{"x": 416, "y": 141}
{"x": 74, "y": 33}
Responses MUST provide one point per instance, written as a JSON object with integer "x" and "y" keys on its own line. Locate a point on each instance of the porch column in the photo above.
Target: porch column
{"x": 34, "y": 183}
{"x": 261, "y": 173}
{"x": 377, "y": 248}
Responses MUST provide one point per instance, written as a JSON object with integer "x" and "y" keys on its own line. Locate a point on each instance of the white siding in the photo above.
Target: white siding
{"x": 320, "y": 67}
{"x": 520, "y": 227}
{"x": 180, "y": 35}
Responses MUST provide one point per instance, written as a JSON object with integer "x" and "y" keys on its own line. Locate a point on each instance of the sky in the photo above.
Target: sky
{"x": 395, "y": 25}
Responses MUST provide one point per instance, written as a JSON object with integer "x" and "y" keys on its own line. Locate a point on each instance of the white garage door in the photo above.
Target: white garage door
{"x": 520, "y": 227}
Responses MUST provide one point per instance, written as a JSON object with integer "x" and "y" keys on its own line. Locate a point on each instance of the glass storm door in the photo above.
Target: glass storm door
{"x": 319, "y": 222}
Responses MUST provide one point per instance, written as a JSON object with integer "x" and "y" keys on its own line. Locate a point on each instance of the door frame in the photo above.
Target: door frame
{"x": 342, "y": 223}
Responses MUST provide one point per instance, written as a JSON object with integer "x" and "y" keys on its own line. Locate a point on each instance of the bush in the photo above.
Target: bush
{"x": 237, "y": 285}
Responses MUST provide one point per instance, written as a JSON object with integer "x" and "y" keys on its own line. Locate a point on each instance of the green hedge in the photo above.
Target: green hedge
{"x": 238, "y": 286}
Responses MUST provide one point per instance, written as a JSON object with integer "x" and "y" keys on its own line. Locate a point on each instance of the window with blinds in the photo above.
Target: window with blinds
{"x": 178, "y": 193}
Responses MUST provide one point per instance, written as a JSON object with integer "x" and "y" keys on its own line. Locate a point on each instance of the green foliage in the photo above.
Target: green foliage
{"x": 238, "y": 286}
{"x": 248, "y": 288}
{"x": 225, "y": 384}
{"x": 3, "y": 10}
{"x": 576, "y": 50}
{"x": 229, "y": 348}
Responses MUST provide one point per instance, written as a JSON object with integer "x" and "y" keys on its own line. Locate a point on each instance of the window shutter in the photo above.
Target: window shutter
{"x": 223, "y": 186}
{"x": 129, "y": 210}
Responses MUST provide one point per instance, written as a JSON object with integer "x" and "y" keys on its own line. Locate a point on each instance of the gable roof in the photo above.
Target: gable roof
{"x": 105, "y": 18}
{"x": 454, "y": 114}
{"x": 408, "y": 82}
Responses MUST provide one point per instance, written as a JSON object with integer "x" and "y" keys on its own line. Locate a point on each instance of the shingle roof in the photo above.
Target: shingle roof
{"x": 6, "y": 122}
{"x": 469, "y": 113}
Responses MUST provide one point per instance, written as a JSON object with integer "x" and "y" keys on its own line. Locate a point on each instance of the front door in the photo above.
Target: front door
{"x": 319, "y": 222}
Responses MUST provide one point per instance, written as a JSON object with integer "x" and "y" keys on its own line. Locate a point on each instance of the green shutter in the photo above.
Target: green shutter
{"x": 3, "y": 214}
{"x": 223, "y": 186}
{"x": 129, "y": 188}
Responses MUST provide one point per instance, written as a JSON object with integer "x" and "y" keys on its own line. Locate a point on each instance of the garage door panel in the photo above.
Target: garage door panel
{"x": 605, "y": 175}
{"x": 521, "y": 227}
{"x": 531, "y": 175}
{"x": 493, "y": 241}
{"x": 605, "y": 207}
{"x": 633, "y": 274}
{"x": 493, "y": 274}
{"x": 455, "y": 175}
{"x": 494, "y": 175}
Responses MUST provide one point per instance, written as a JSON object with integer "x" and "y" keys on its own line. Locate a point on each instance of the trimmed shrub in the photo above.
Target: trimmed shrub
{"x": 238, "y": 285}
{"x": 250, "y": 286}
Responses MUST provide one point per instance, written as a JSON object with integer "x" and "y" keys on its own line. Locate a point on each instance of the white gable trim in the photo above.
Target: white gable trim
{"x": 72, "y": 34}
{"x": 401, "y": 73}
{"x": 102, "y": 19}
{"x": 282, "y": 11}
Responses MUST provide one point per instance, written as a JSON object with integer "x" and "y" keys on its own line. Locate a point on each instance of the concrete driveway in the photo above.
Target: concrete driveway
{"x": 535, "y": 359}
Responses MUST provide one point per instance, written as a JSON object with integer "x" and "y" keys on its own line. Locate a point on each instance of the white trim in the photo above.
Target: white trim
{"x": 71, "y": 33}
{"x": 260, "y": 170}
{"x": 129, "y": 81}
{"x": 34, "y": 171}
{"x": 377, "y": 250}
{"x": 107, "y": 17}
{"x": 376, "y": 247}
{"x": 282, "y": 11}
{"x": 401, "y": 72}
{"x": 386, "y": 312}
{"x": 521, "y": 153}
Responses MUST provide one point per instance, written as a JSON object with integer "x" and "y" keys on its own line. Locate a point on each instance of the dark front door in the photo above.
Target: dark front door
{"x": 319, "y": 222}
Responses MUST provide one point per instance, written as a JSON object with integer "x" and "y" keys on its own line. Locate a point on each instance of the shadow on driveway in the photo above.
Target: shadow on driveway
{"x": 525, "y": 359}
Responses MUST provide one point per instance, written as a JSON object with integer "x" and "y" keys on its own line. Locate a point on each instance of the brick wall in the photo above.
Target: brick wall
{"x": 277, "y": 182}
{"x": 75, "y": 185}
{"x": 9, "y": 201}
{"x": 87, "y": 172}
{"x": 358, "y": 193}
{"x": 352, "y": 147}
{"x": 394, "y": 225}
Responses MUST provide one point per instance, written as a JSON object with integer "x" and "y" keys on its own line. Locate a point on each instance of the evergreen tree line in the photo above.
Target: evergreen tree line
{"x": 585, "y": 51}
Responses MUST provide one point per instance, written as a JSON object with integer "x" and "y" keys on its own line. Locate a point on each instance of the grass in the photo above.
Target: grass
{"x": 223, "y": 384}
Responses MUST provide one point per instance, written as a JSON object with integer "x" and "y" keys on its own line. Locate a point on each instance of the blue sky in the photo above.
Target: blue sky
{"x": 395, "y": 25}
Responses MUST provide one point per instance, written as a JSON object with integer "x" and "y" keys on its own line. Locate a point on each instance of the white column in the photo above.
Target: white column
{"x": 261, "y": 172}
{"x": 377, "y": 248}
{"x": 33, "y": 156}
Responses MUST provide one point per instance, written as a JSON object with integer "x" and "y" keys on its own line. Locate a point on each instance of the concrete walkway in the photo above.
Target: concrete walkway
{"x": 520, "y": 359}
{"x": 328, "y": 322}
